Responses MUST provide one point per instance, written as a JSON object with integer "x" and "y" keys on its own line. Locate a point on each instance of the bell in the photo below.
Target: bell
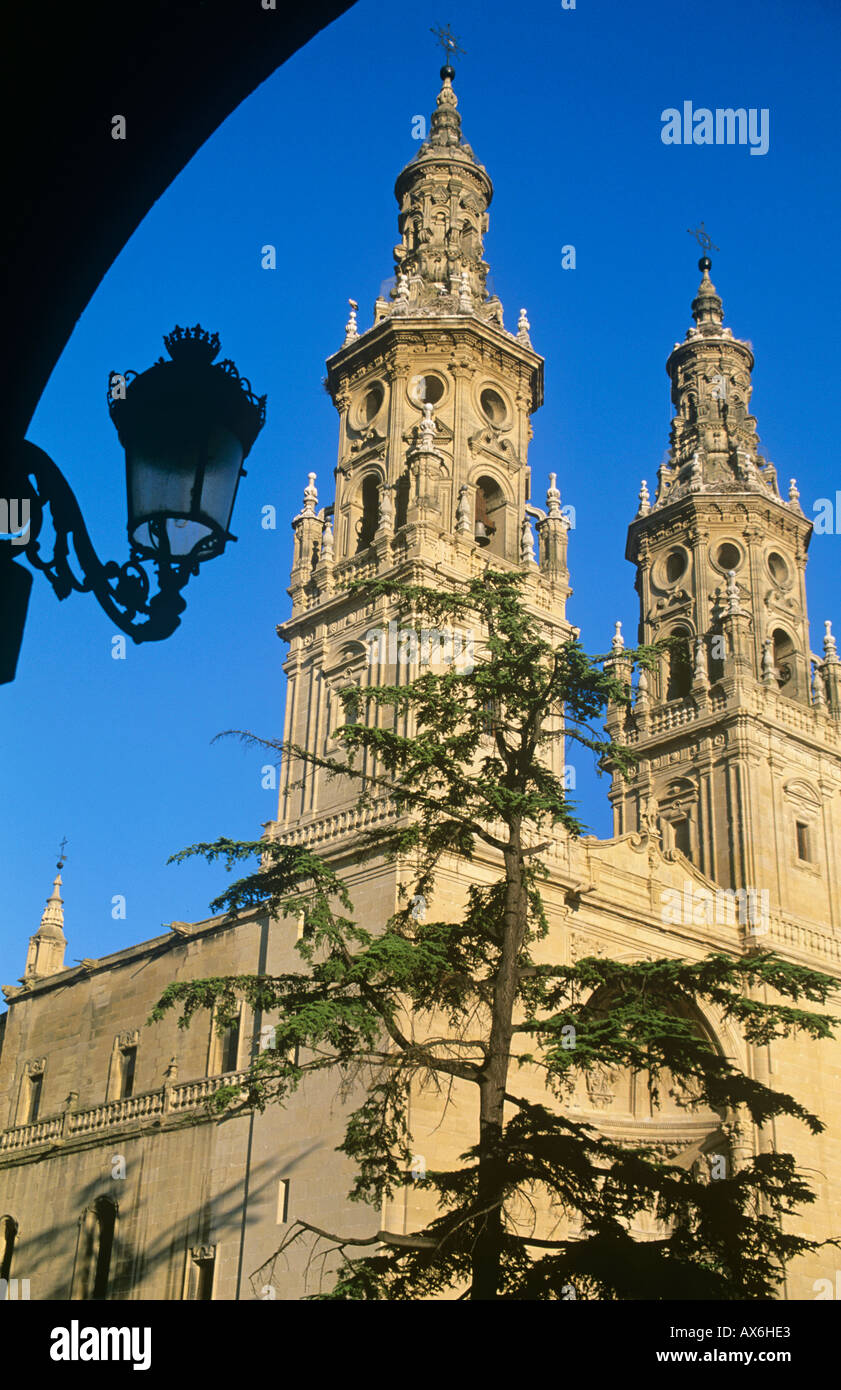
{"x": 480, "y": 534}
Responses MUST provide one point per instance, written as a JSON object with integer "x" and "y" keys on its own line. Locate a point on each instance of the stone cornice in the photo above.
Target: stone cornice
{"x": 154, "y": 946}
{"x": 391, "y": 334}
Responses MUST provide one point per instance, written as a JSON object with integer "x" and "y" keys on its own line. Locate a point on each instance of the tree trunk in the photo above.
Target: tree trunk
{"x": 487, "y": 1249}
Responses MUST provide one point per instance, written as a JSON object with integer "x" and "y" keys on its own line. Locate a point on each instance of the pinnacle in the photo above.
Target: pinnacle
{"x": 707, "y": 307}
{"x": 52, "y": 918}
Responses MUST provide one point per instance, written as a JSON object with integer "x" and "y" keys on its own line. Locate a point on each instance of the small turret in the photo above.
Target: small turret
{"x": 46, "y": 948}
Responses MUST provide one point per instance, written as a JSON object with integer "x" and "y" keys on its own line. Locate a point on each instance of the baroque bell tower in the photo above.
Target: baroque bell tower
{"x": 738, "y": 731}
{"x": 432, "y": 481}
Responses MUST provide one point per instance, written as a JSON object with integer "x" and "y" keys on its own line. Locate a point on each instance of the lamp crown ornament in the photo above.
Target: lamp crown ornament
{"x": 194, "y": 342}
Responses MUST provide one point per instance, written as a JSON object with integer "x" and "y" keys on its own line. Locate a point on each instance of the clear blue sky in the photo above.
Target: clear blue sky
{"x": 563, "y": 107}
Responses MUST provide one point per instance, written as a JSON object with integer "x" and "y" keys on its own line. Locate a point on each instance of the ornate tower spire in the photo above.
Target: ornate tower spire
{"x": 46, "y": 948}
{"x": 713, "y": 436}
{"x": 444, "y": 194}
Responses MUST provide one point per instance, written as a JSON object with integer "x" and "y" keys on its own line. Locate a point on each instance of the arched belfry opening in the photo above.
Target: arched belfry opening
{"x": 679, "y": 666}
{"x": 489, "y": 516}
{"x": 366, "y": 524}
{"x": 783, "y": 655}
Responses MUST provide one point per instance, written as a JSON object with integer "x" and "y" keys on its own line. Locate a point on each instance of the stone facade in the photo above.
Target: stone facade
{"x": 114, "y": 1182}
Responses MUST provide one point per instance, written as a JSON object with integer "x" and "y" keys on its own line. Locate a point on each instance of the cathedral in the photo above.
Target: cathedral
{"x": 115, "y": 1183}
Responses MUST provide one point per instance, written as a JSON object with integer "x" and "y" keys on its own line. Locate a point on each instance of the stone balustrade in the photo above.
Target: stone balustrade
{"x": 176, "y": 1097}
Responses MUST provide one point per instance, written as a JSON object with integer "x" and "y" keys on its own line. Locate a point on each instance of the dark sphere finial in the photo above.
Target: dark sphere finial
{"x": 705, "y": 263}
{"x": 447, "y": 71}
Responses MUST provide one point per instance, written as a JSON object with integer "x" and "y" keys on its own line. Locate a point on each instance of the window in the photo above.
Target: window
{"x": 229, "y": 1050}
{"x": 201, "y": 1268}
{"x": 490, "y": 715}
{"x": 204, "y": 1282}
{"x": 128, "y": 1062}
{"x": 493, "y": 406}
{"x": 682, "y": 838}
{"x": 676, "y": 562}
{"x": 223, "y": 1052}
{"x": 427, "y": 388}
{"x": 122, "y": 1070}
{"x": 729, "y": 556}
{"x": 94, "y": 1249}
{"x": 8, "y": 1235}
{"x": 803, "y": 847}
{"x": 32, "y": 1102}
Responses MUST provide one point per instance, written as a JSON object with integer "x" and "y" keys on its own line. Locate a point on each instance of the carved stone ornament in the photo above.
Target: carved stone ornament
{"x": 601, "y": 1087}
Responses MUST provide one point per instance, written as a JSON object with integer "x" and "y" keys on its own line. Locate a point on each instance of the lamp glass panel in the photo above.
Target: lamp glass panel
{"x": 221, "y": 475}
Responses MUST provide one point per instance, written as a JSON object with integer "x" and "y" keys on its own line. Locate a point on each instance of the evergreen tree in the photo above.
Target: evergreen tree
{"x": 467, "y": 761}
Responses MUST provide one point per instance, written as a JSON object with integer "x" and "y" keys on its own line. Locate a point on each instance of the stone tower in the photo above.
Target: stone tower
{"x": 738, "y": 729}
{"x": 432, "y": 481}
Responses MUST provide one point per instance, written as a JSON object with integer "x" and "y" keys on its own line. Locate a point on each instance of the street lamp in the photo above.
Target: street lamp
{"x": 187, "y": 426}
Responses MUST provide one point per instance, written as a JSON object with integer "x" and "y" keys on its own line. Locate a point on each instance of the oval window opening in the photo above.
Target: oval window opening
{"x": 675, "y": 565}
{"x": 778, "y": 567}
{"x": 493, "y": 406}
{"x": 372, "y": 403}
{"x": 427, "y": 389}
{"x": 729, "y": 556}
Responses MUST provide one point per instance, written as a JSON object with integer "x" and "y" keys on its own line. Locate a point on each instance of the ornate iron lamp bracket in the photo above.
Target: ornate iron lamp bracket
{"x": 122, "y": 590}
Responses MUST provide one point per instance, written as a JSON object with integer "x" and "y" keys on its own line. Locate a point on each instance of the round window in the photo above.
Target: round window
{"x": 676, "y": 562}
{"x": 728, "y": 556}
{"x": 426, "y": 389}
{"x": 778, "y": 567}
{"x": 372, "y": 402}
{"x": 493, "y": 406}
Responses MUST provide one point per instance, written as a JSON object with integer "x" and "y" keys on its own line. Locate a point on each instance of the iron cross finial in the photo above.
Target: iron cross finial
{"x": 703, "y": 239}
{"x": 62, "y": 857}
{"x": 448, "y": 41}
